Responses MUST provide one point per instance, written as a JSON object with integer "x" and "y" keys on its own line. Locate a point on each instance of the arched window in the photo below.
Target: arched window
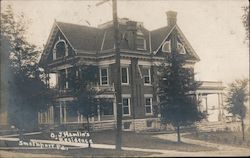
{"x": 180, "y": 48}
{"x": 60, "y": 49}
{"x": 166, "y": 47}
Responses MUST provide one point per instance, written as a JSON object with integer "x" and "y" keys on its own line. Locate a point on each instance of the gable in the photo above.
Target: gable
{"x": 56, "y": 37}
{"x": 181, "y": 39}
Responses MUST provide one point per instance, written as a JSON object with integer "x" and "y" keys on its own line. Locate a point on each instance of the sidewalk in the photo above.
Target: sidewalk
{"x": 7, "y": 154}
{"x": 223, "y": 150}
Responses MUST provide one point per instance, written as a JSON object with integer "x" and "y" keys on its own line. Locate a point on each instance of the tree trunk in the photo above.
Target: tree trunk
{"x": 178, "y": 134}
{"x": 88, "y": 131}
{"x": 243, "y": 130}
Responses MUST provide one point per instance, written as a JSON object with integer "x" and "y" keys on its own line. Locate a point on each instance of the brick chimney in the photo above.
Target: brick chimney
{"x": 171, "y": 18}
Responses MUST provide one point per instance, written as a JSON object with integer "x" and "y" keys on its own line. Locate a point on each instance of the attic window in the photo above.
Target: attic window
{"x": 60, "y": 49}
{"x": 166, "y": 47}
{"x": 180, "y": 48}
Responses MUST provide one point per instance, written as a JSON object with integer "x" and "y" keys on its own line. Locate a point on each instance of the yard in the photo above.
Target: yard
{"x": 145, "y": 140}
{"x": 223, "y": 137}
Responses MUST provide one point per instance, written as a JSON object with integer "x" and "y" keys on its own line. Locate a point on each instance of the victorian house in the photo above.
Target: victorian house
{"x": 141, "y": 50}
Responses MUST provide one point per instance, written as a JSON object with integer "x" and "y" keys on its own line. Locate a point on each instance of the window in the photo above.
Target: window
{"x": 166, "y": 47}
{"x": 180, "y": 48}
{"x": 146, "y": 75}
{"x": 107, "y": 108}
{"x": 126, "y": 106}
{"x": 148, "y": 106}
{"x": 125, "y": 76}
{"x": 104, "y": 76}
{"x": 62, "y": 79}
{"x": 126, "y": 125}
{"x": 60, "y": 50}
{"x": 140, "y": 43}
{"x": 149, "y": 123}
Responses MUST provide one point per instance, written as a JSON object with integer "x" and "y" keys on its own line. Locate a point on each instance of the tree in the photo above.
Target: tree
{"x": 26, "y": 88}
{"x": 236, "y": 98}
{"x": 178, "y": 104}
{"x": 86, "y": 102}
{"x": 245, "y": 21}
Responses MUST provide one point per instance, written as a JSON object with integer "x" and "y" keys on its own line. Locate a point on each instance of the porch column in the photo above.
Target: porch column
{"x": 98, "y": 112}
{"x": 39, "y": 121}
{"x": 114, "y": 108}
{"x": 65, "y": 113}
{"x": 219, "y": 105}
{"x": 61, "y": 112}
{"x": 198, "y": 99}
{"x": 52, "y": 114}
{"x": 222, "y": 107}
{"x": 206, "y": 104}
{"x": 66, "y": 75}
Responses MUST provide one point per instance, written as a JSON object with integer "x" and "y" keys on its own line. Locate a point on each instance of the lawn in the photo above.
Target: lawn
{"x": 145, "y": 140}
{"x": 223, "y": 137}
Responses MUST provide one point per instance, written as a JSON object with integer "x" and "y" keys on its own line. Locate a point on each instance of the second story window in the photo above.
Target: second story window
{"x": 147, "y": 75}
{"x": 124, "y": 75}
{"x": 103, "y": 76}
{"x": 166, "y": 47}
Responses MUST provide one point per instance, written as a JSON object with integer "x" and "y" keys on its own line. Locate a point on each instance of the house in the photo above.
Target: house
{"x": 141, "y": 50}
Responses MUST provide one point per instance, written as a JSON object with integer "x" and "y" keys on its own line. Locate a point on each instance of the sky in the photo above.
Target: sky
{"x": 214, "y": 27}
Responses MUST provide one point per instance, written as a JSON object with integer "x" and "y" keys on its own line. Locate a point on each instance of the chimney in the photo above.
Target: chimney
{"x": 171, "y": 18}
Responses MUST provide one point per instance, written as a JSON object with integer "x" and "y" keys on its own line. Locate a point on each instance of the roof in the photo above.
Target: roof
{"x": 82, "y": 37}
{"x": 93, "y": 40}
{"x": 158, "y": 35}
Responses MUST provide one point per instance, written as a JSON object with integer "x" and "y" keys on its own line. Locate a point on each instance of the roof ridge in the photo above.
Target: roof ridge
{"x": 78, "y": 25}
{"x": 159, "y": 28}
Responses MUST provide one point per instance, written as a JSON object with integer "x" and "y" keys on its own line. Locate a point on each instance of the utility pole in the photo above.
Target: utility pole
{"x": 118, "y": 79}
{"x": 118, "y": 76}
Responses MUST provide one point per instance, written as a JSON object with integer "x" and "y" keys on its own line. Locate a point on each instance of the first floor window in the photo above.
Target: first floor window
{"x": 104, "y": 76}
{"x": 107, "y": 108}
{"x": 148, "y": 106}
{"x": 126, "y": 106}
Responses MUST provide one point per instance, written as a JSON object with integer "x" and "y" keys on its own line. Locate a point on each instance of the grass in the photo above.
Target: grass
{"x": 145, "y": 140}
{"x": 223, "y": 137}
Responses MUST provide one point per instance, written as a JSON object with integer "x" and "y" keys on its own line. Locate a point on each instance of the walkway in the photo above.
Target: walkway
{"x": 223, "y": 150}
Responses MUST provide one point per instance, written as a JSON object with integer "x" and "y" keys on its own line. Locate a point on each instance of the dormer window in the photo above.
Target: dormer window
{"x": 166, "y": 47}
{"x": 180, "y": 48}
{"x": 140, "y": 41}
